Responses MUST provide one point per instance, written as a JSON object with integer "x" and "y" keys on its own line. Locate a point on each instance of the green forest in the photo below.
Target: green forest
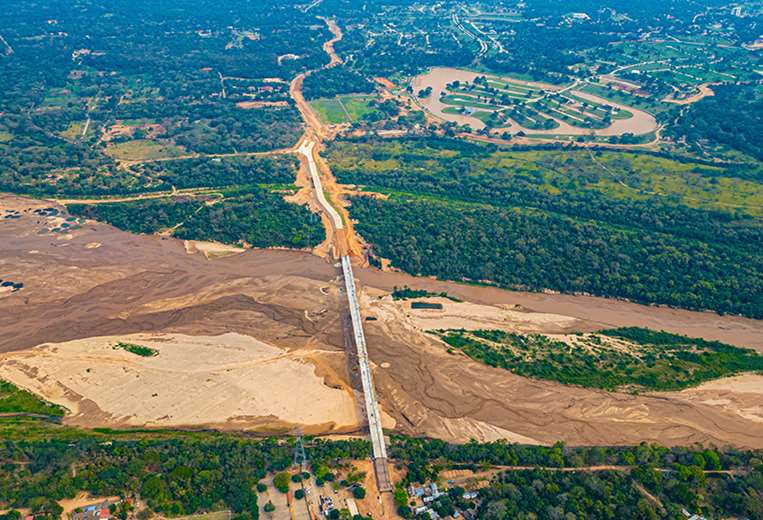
{"x": 174, "y": 476}
{"x": 335, "y": 81}
{"x": 642, "y": 359}
{"x": 550, "y": 219}
{"x": 14, "y": 400}
{"x": 219, "y": 172}
{"x": 180, "y": 472}
{"x": 730, "y": 118}
{"x": 252, "y": 215}
{"x": 678, "y": 477}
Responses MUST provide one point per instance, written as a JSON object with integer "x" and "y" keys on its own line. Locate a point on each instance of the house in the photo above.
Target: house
{"x": 690, "y": 516}
{"x": 99, "y": 511}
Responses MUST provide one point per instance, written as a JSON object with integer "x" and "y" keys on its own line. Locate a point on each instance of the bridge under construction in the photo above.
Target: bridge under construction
{"x": 371, "y": 404}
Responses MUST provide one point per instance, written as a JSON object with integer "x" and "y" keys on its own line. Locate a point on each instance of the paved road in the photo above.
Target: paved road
{"x": 306, "y": 149}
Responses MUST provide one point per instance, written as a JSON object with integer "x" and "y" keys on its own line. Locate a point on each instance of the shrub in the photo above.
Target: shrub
{"x": 281, "y": 482}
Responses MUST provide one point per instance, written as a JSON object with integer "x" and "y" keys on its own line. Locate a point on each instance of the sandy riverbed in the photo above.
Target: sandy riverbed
{"x": 147, "y": 287}
{"x": 230, "y": 380}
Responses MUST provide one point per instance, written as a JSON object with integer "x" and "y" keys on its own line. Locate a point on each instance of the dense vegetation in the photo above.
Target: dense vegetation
{"x": 15, "y": 400}
{"x": 138, "y": 350}
{"x": 405, "y": 293}
{"x": 218, "y": 172}
{"x": 627, "y": 358}
{"x": 186, "y": 472}
{"x": 676, "y": 476}
{"x": 628, "y": 225}
{"x": 252, "y": 215}
{"x": 535, "y": 250}
{"x": 334, "y": 81}
{"x": 733, "y": 117}
{"x": 174, "y": 476}
{"x": 607, "y": 495}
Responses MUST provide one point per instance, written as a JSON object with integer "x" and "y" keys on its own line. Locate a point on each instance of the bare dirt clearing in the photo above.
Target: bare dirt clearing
{"x": 467, "y": 315}
{"x": 249, "y": 105}
{"x": 705, "y": 90}
{"x": 152, "y": 286}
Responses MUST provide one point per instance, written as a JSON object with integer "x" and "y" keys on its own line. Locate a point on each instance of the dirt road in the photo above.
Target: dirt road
{"x": 190, "y": 192}
{"x": 129, "y": 162}
{"x": 345, "y": 239}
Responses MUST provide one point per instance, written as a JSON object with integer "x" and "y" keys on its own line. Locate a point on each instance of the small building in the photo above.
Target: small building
{"x": 352, "y": 507}
{"x": 99, "y": 511}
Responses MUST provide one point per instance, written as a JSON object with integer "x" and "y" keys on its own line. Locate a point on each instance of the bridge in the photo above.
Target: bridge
{"x": 370, "y": 402}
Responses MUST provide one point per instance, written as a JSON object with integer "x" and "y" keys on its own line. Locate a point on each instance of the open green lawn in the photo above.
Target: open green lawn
{"x": 343, "y": 109}
{"x": 642, "y": 103}
{"x": 74, "y": 130}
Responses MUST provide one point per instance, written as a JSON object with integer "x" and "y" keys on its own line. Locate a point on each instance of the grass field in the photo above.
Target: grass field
{"x": 143, "y": 149}
{"x": 643, "y": 103}
{"x": 62, "y": 97}
{"x": 74, "y": 131}
{"x": 342, "y": 109}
